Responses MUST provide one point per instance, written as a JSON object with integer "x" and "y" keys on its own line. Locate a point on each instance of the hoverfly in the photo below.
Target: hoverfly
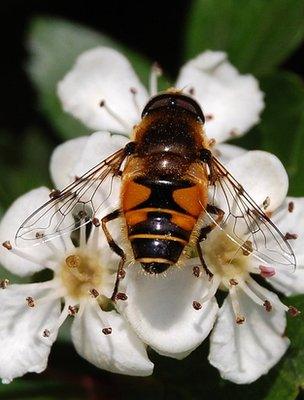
{"x": 170, "y": 183}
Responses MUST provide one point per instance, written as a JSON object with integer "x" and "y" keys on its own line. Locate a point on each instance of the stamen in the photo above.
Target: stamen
{"x": 247, "y": 248}
{"x": 267, "y": 305}
{"x": 94, "y": 237}
{"x": 239, "y": 318}
{"x": 94, "y": 293}
{"x": 73, "y": 310}
{"x": 156, "y": 72}
{"x": 123, "y": 123}
{"x": 122, "y": 274}
{"x": 246, "y": 289}
{"x": 107, "y": 331}
{"x": 267, "y": 272}
{"x": 196, "y": 305}
{"x": 4, "y": 283}
{"x": 121, "y": 296}
{"x": 63, "y": 316}
{"x": 196, "y": 271}
{"x": 192, "y": 91}
{"x": 30, "y": 302}
{"x": 291, "y": 206}
{"x": 215, "y": 282}
{"x": 134, "y": 98}
{"x": 290, "y": 236}
{"x": 293, "y": 311}
{"x": 266, "y": 203}
{"x": 82, "y": 236}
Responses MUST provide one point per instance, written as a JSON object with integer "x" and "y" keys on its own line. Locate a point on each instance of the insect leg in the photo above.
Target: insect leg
{"x": 205, "y": 231}
{"x": 114, "y": 246}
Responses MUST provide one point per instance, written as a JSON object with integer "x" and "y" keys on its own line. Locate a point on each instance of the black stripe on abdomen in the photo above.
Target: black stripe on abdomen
{"x": 156, "y": 248}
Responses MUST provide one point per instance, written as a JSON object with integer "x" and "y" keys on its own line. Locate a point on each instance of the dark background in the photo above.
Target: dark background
{"x": 153, "y": 28}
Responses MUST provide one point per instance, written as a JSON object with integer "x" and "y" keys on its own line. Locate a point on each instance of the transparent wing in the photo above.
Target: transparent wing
{"x": 74, "y": 206}
{"x": 244, "y": 222}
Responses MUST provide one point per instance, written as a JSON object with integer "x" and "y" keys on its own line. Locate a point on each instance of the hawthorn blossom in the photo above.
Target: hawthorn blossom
{"x": 248, "y": 328}
{"x": 103, "y": 91}
{"x": 84, "y": 272}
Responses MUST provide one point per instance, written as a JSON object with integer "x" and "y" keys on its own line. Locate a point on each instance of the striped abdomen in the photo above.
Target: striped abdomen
{"x": 160, "y": 216}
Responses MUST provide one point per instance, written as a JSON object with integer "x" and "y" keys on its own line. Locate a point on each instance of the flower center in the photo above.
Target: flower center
{"x": 82, "y": 274}
{"x": 226, "y": 259}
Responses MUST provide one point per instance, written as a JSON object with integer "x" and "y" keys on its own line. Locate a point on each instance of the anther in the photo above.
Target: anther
{"x": 30, "y": 302}
{"x": 73, "y": 310}
{"x": 121, "y": 274}
{"x": 267, "y": 305}
{"x": 196, "y": 305}
{"x": 247, "y": 248}
{"x": 191, "y": 91}
{"x": 290, "y": 236}
{"x": 196, "y": 271}
{"x": 209, "y": 117}
{"x": 94, "y": 293}
{"x": 107, "y": 331}
{"x": 39, "y": 235}
{"x": 96, "y": 222}
{"x": 291, "y": 206}
{"x": 121, "y": 296}
{"x": 73, "y": 261}
{"x": 46, "y": 333}
{"x": 293, "y": 311}
{"x": 240, "y": 319}
{"x": 7, "y": 245}
{"x": 266, "y": 203}
{"x": 133, "y": 90}
{"x": 4, "y": 283}
{"x": 267, "y": 272}
{"x": 55, "y": 194}
{"x": 104, "y": 105}
{"x": 233, "y": 282}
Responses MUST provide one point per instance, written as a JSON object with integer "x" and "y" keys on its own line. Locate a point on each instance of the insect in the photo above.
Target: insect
{"x": 170, "y": 185}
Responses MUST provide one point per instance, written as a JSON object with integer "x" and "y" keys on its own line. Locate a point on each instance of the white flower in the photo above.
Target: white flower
{"x": 173, "y": 314}
{"x": 103, "y": 91}
{"x": 84, "y": 276}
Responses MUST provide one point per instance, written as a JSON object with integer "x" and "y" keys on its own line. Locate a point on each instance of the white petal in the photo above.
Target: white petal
{"x": 160, "y": 310}
{"x": 227, "y": 152}
{"x": 103, "y": 74}
{"x": 121, "y": 351}
{"x": 63, "y": 161}
{"x": 262, "y": 175}
{"x": 292, "y": 222}
{"x": 11, "y": 221}
{"x": 99, "y": 146}
{"x": 233, "y": 100}
{"x": 242, "y": 353}
{"x": 23, "y": 347}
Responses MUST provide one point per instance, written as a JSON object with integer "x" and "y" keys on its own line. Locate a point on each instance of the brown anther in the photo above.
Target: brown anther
{"x": 209, "y": 117}
{"x": 55, "y": 194}
{"x": 121, "y": 296}
{"x": 293, "y": 311}
{"x": 73, "y": 310}
{"x": 290, "y": 236}
{"x": 192, "y": 91}
{"x": 4, "y": 283}
{"x": 196, "y": 271}
{"x": 94, "y": 293}
{"x": 102, "y": 103}
{"x": 46, "y": 333}
{"x": 107, "y": 331}
{"x": 233, "y": 282}
{"x": 30, "y": 301}
{"x": 121, "y": 274}
{"x": 266, "y": 203}
{"x": 240, "y": 319}
{"x": 267, "y": 305}
{"x": 96, "y": 222}
{"x": 39, "y": 235}
{"x": 7, "y": 245}
{"x": 73, "y": 261}
{"x": 247, "y": 248}
{"x": 133, "y": 90}
{"x": 77, "y": 178}
{"x": 196, "y": 305}
{"x": 291, "y": 206}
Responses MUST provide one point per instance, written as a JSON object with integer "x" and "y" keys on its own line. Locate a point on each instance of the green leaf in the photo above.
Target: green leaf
{"x": 257, "y": 34}
{"x": 54, "y": 45}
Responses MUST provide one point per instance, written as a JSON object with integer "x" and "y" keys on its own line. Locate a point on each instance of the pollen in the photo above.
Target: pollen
{"x": 81, "y": 273}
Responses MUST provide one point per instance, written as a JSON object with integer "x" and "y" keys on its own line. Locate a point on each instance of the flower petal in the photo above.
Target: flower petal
{"x": 290, "y": 219}
{"x": 160, "y": 310}
{"x": 11, "y": 221}
{"x": 262, "y": 175}
{"x": 63, "y": 161}
{"x": 233, "y": 101}
{"x": 121, "y": 351}
{"x": 242, "y": 353}
{"x": 23, "y": 347}
{"x": 103, "y": 74}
